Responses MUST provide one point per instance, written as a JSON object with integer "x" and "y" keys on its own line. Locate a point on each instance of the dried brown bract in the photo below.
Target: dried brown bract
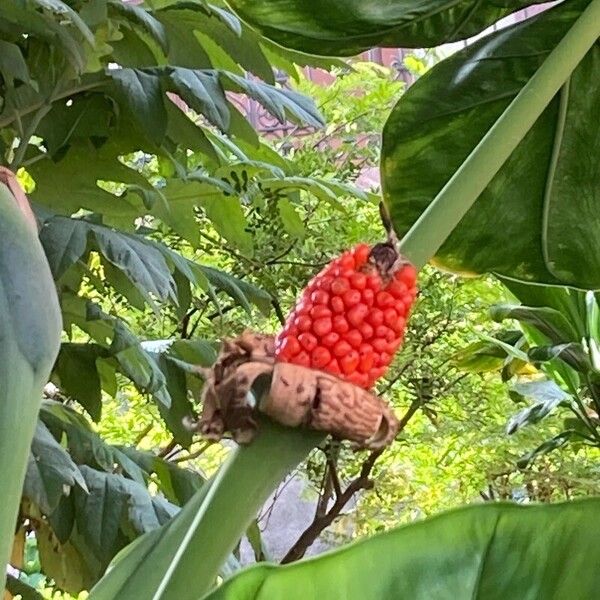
{"x": 297, "y": 397}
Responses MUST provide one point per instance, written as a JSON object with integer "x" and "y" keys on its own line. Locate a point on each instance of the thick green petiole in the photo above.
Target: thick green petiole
{"x": 30, "y": 329}
{"x": 183, "y": 559}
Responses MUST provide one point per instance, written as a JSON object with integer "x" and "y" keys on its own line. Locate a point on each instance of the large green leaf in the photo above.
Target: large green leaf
{"x": 85, "y": 446}
{"x": 537, "y": 219}
{"x": 50, "y": 471}
{"x": 29, "y": 333}
{"x": 494, "y": 551}
{"x": 346, "y": 27}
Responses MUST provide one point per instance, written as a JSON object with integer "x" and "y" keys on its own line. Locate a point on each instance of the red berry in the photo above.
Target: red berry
{"x": 384, "y": 359}
{"x": 380, "y": 344}
{"x": 375, "y": 317}
{"x": 351, "y": 298}
{"x": 337, "y": 305}
{"x": 397, "y": 288}
{"x": 308, "y": 341}
{"x": 349, "y": 361}
{"x": 339, "y": 286}
{"x": 331, "y": 339}
{"x": 367, "y": 360}
{"x": 319, "y": 297}
{"x": 368, "y": 296}
{"x": 374, "y": 282}
{"x": 408, "y": 274}
{"x": 302, "y": 359}
{"x": 382, "y": 331}
{"x": 366, "y": 331}
{"x": 358, "y": 281}
{"x": 319, "y": 311}
{"x": 333, "y": 367}
{"x": 376, "y": 373}
{"x": 361, "y": 254}
{"x": 347, "y": 261}
{"x": 320, "y": 357}
{"x": 322, "y": 327}
{"x": 393, "y": 346}
{"x": 325, "y": 283}
{"x": 399, "y": 325}
{"x": 342, "y": 348}
{"x": 357, "y": 314}
{"x": 303, "y": 323}
{"x": 390, "y": 316}
{"x": 384, "y": 299}
{"x": 289, "y": 346}
{"x": 360, "y": 379}
{"x": 340, "y": 325}
{"x": 354, "y": 338}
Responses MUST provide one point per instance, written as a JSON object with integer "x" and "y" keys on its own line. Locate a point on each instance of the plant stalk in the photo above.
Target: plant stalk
{"x": 442, "y": 216}
{"x": 30, "y": 327}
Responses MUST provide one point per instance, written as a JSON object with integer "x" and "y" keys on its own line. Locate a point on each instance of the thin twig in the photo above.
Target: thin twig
{"x": 362, "y": 482}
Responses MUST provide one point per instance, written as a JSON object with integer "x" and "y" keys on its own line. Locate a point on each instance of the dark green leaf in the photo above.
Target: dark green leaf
{"x": 176, "y": 483}
{"x": 573, "y": 354}
{"x": 112, "y": 500}
{"x": 548, "y": 321}
{"x": 143, "y": 97}
{"x": 138, "y": 365}
{"x": 50, "y": 471}
{"x": 527, "y": 224}
{"x": 485, "y": 356}
{"x": 558, "y": 441}
{"x": 60, "y": 8}
{"x": 347, "y": 27}
{"x": 280, "y": 102}
{"x": 493, "y": 551}
{"x": 202, "y": 91}
{"x": 141, "y": 262}
{"x": 242, "y": 292}
{"x": 78, "y": 375}
{"x": 12, "y": 63}
{"x": 144, "y": 18}
{"x": 85, "y": 446}
{"x": 64, "y": 241}
{"x": 180, "y": 410}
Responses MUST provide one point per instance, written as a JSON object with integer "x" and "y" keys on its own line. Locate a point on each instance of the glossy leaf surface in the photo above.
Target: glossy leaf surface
{"x": 494, "y": 551}
{"x": 346, "y": 27}
{"x": 537, "y": 218}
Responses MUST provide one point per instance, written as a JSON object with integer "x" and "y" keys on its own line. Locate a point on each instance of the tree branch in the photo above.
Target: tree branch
{"x": 362, "y": 482}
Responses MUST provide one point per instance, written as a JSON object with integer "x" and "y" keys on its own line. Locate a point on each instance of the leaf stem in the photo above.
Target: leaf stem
{"x": 441, "y": 217}
{"x": 27, "y": 135}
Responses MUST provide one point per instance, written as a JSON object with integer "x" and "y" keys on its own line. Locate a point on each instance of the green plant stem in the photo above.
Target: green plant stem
{"x": 21, "y": 150}
{"x": 441, "y": 217}
{"x": 186, "y": 560}
{"x": 250, "y": 474}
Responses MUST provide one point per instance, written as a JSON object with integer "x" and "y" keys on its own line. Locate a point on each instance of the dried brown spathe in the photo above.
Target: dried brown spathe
{"x": 297, "y": 397}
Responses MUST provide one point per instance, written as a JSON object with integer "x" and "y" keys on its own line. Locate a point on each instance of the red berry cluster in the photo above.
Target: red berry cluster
{"x": 349, "y": 320}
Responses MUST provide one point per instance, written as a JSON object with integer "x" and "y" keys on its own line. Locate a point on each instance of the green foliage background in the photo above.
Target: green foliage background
{"x": 191, "y": 229}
